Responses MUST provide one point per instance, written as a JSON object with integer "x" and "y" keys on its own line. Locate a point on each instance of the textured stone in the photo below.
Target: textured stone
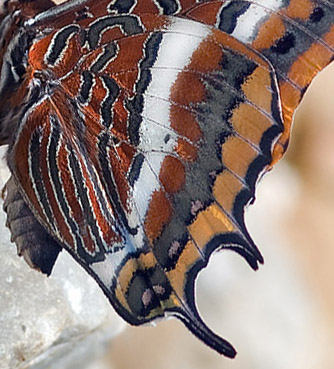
{"x": 63, "y": 321}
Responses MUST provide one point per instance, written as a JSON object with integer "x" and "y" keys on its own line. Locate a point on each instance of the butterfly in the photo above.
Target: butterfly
{"x": 138, "y": 129}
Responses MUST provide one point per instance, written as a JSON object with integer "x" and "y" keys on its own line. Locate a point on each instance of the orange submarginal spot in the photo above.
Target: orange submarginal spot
{"x": 188, "y": 88}
{"x": 126, "y": 273}
{"x": 147, "y": 260}
{"x": 144, "y": 261}
{"x": 208, "y": 223}
{"x": 91, "y": 142}
{"x": 184, "y": 123}
{"x": 172, "y": 174}
{"x": 229, "y": 42}
{"x": 206, "y": 57}
{"x": 299, "y": 9}
{"x": 178, "y": 275}
{"x": 158, "y": 214}
{"x": 186, "y": 150}
{"x": 308, "y": 64}
{"x": 290, "y": 97}
{"x": 124, "y": 279}
{"x": 250, "y": 123}
{"x": 121, "y": 113}
{"x": 84, "y": 23}
{"x": 121, "y": 298}
{"x": 301, "y": 73}
{"x": 257, "y": 89}
{"x": 329, "y": 37}
{"x": 237, "y": 155}
{"x": 270, "y": 31}
{"x": 226, "y": 189}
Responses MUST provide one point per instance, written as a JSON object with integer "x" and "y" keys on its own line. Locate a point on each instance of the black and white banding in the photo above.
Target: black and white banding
{"x": 128, "y": 24}
{"x": 59, "y": 44}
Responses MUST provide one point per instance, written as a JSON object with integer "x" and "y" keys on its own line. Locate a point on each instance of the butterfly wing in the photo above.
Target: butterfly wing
{"x": 138, "y": 163}
{"x": 142, "y": 142}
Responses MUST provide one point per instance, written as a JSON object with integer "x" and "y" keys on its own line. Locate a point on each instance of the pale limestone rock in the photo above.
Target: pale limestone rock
{"x": 63, "y": 321}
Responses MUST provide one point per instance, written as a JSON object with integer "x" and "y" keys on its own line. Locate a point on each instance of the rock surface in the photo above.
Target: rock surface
{"x": 63, "y": 321}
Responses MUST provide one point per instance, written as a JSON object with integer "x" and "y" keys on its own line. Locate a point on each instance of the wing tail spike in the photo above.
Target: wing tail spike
{"x": 253, "y": 258}
{"x": 252, "y": 252}
{"x": 240, "y": 243}
{"x": 249, "y": 250}
{"x": 196, "y": 325}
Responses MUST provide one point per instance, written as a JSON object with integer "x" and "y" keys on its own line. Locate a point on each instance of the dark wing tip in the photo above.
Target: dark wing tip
{"x": 203, "y": 333}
